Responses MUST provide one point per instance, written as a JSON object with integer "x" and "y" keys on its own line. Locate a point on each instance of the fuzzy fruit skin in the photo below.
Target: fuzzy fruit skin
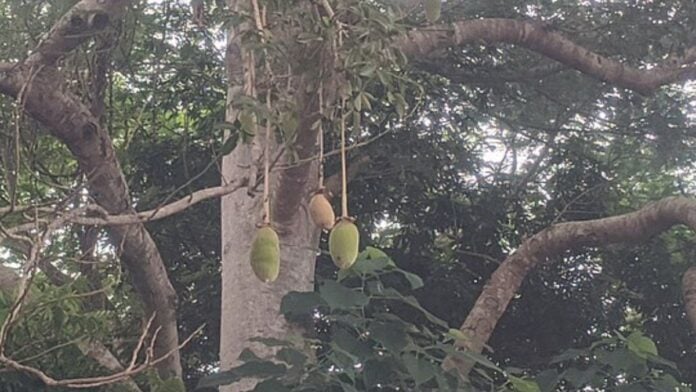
{"x": 344, "y": 242}
{"x": 265, "y": 254}
{"x": 321, "y": 211}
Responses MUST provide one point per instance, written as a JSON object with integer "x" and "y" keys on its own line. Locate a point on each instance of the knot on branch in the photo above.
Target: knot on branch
{"x": 92, "y": 21}
{"x": 98, "y": 20}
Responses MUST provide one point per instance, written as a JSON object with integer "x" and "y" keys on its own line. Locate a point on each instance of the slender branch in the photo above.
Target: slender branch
{"x": 156, "y": 213}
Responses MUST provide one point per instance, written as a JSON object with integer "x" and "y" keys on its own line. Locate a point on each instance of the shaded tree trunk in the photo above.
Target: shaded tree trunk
{"x": 251, "y": 308}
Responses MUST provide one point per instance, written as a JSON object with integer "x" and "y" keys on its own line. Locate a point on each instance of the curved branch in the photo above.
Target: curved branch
{"x": 71, "y": 122}
{"x": 538, "y": 38}
{"x": 637, "y": 226}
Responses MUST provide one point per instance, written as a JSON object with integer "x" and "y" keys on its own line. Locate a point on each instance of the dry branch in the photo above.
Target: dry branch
{"x": 24, "y": 284}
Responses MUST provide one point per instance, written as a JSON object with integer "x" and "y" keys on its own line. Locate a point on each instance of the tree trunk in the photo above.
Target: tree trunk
{"x": 251, "y": 308}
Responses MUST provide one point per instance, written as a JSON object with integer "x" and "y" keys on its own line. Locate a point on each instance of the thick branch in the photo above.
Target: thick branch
{"x": 80, "y": 23}
{"x": 536, "y": 37}
{"x": 69, "y": 120}
{"x": 553, "y": 241}
{"x": 458, "y": 74}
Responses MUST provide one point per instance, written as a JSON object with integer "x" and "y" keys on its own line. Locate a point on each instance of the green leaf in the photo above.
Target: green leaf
{"x": 432, "y": 318}
{"x": 667, "y": 383}
{"x": 622, "y": 359}
{"x": 296, "y": 303}
{"x": 432, "y": 10}
{"x": 348, "y": 387}
{"x": 170, "y": 385}
{"x": 357, "y": 103}
{"x": 568, "y": 355}
{"x": 400, "y": 105}
{"x": 475, "y": 357}
{"x": 446, "y": 382}
{"x": 259, "y": 369}
{"x": 248, "y": 356}
{"x": 641, "y": 345}
{"x": 371, "y": 261}
{"x": 349, "y": 344}
{"x": 579, "y": 378}
{"x": 523, "y": 385}
{"x": 338, "y": 296}
{"x": 547, "y": 380}
{"x": 271, "y": 385}
{"x": 390, "y": 335}
{"x": 414, "y": 280}
{"x": 457, "y": 334}
{"x": 368, "y": 70}
{"x": 288, "y": 123}
{"x": 248, "y": 123}
{"x": 418, "y": 367}
{"x": 662, "y": 361}
{"x": 372, "y": 253}
{"x": 376, "y": 372}
{"x": 291, "y": 356}
{"x": 632, "y": 387}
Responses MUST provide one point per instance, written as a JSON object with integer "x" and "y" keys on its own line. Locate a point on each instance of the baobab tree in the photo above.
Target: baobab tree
{"x": 305, "y": 69}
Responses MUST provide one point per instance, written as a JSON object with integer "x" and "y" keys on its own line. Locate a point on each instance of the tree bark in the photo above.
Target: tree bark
{"x": 426, "y": 42}
{"x": 637, "y": 226}
{"x": 251, "y": 308}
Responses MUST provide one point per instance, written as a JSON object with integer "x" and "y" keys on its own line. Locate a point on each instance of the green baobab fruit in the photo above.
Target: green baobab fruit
{"x": 432, "y": 10}
{"x": 321, "y": 211}
{"x": 344, "y": 241}
{"x": 265, "y": 254}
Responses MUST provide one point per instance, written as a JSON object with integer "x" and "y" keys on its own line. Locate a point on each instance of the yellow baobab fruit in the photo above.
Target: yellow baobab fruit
{"x": 265, "y": 254}
{"x": 432, "y": 10}
{"x": 321, "y": 212}
{"x": 344, "y": 241}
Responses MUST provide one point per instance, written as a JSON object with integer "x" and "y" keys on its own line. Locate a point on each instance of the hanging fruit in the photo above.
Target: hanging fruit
{"x": 319, "y": 206}
{"x": 321, "y": 211}
{"x": 344, "y": 242}
{"x": 265, "y": 254}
